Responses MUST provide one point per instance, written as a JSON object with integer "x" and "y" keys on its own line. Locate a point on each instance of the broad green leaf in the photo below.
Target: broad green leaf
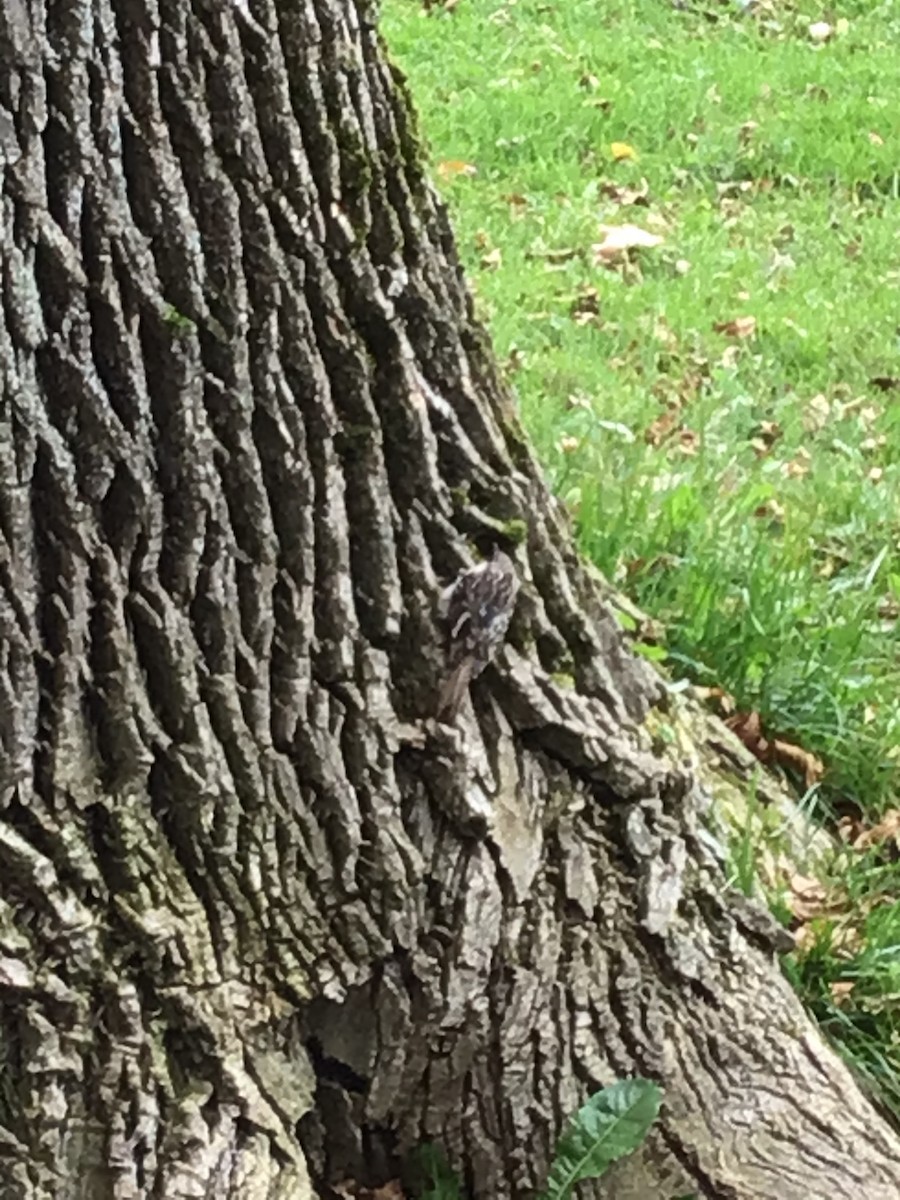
{"x": 611, "y": 1124}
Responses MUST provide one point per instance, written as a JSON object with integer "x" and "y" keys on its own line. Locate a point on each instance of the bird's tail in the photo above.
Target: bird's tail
{"x": 454, "y": 689}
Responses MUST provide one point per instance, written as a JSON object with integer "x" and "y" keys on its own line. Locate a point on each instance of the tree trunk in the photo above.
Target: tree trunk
{"x": 265, "y": 922}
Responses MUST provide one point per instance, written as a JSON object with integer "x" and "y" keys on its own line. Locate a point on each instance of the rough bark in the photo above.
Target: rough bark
{"x": 263, "y": 923}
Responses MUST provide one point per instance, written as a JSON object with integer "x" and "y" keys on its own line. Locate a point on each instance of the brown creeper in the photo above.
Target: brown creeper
{"x": 479, "y": 606}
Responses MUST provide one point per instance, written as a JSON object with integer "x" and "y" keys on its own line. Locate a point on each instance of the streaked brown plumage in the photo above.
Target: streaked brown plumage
{"x": 479, "y": 607}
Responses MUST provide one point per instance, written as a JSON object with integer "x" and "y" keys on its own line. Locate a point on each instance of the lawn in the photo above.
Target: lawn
{"x": 682, "y": 227}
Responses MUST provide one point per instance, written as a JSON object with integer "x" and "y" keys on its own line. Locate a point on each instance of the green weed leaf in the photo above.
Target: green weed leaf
{"x": 611, "y": 1124}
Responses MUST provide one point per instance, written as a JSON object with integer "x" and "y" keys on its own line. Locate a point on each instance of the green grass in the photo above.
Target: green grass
{"x": 744, "y": 491}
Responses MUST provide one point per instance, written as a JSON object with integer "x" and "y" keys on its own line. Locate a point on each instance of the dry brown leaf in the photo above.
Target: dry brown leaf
{"x": 805, "y": 938}
{"x": 766, "y": 435}
{"x": 798, "y": 465}
{"x": 748, "y": 727}
{"x": 586, "y": 306}
{"x": 452, "y": 168}
{"x": 349, "y": 1189}
{"x": 618, "y": 240}
{"x": 657, "y": 431}
{"x": 771, "y": 510}
{"x": 816, "y": 413}
{"x": 809, "y": 898}
{"x": 846, "y": 940}
{"x": 739, "y": 327}
{"x": 391, "y": 1190}
{"x": 746, "y": 132}
{"x": 626, "y": 196}
{"x": 795, "y": 758}
{"x": 555, "y": 257}
{"x": 723, "y": 701}
{"x": 840, "y": 991}
{"x": 848, "y": 829}
{"x": 887, "y": 830}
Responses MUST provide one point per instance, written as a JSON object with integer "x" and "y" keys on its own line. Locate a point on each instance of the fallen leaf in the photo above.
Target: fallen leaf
{"x": 809, "y": 898}
{"x": 585, "y": 307}
{"x": 626, "y": 196}
{"x": 798, "y": 466}
{"x": 840, "y": 991}
{"x": 787, "y": 754}
{"x": 450, "y": 168}
{"x": 621, "y": 150}
{"x": 517, "y": 205}
{"x": 748, "y": 727}
{"x": 567, "y": 444}
{"x": 820, "y": 31}
{"x": 875, "y": 138}
{"x": 688, "y": 441}
{"x": 771, "y": 511}
{"x": 349, "y": 1189}
{"x": 887, "y": 830}
{"x": 391, "y": 1190}
{"x": 816, "y": 413}
{"x": 555, "y": 257}
{"x": 578, "y": 400}
{"x": 739, "y": 327}
{"x": 618, "y": 240}
{"x": 867, "y": 445}
{"x": 848, "y": 829}
{"x": 769, "y": 432}
{"x": 868, "y": 415}
{"x": 729, "y": 188}
{"x": 724, "y": 701}
{"x": 657, "y": 431}
{"x": 492, "y": 260}
{"x": 746, "y": 132}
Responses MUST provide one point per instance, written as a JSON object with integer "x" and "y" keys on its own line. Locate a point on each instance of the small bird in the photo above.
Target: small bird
{"x": 479, "y": 605}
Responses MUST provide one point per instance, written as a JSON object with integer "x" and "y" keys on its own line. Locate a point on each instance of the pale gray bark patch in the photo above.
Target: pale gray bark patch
{"x": 259, "y": 913}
